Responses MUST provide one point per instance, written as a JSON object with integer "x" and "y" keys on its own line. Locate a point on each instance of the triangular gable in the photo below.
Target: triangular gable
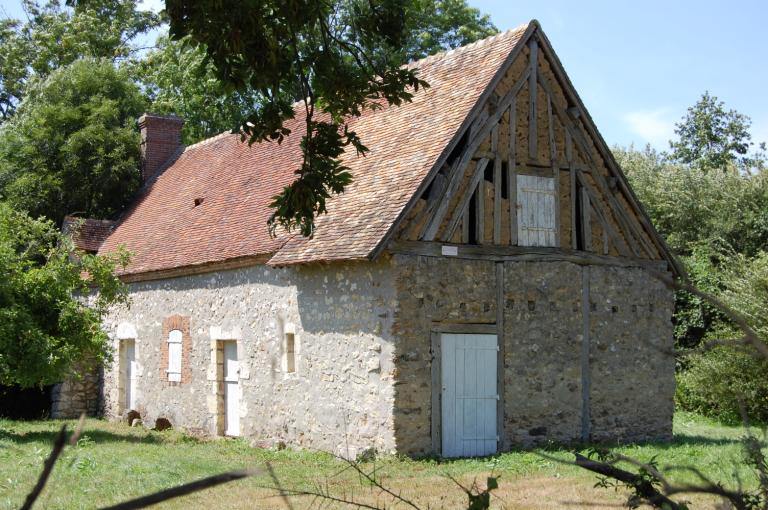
{"x": 530, "y": 170}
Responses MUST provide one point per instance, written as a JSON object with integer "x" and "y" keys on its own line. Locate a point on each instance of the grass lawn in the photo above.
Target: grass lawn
{"x": 113, "y": 462}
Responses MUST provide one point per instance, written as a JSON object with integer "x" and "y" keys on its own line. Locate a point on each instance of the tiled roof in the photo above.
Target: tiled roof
{"x": 165, "y": 230}
{"x": 91, "y": 233}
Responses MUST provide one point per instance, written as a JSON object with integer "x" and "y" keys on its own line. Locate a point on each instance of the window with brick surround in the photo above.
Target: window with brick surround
{"x": 175, "y": 338}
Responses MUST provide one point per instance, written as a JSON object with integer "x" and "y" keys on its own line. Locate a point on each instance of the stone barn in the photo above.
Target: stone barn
{"x": 483, "y": 283}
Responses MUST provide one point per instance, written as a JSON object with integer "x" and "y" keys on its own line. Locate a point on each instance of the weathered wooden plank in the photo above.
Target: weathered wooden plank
{"x": 465, "y": 226}
{"x": 533, "y": 151}
{"x": 606, "y": 248}
{"x": 522, "y": 254}
{"x": 457, "y": 172}
{"x": 512, "y": 168}
{"x": 500, "y": 372}
{"x": 465, "y": 199}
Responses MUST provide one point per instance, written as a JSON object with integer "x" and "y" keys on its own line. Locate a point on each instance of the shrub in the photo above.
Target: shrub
{"x": 716, "y": 382}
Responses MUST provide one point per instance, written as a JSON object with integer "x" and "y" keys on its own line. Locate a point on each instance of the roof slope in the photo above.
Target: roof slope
{"x": 87, "y": 234}
{"x": 165, "y": 230}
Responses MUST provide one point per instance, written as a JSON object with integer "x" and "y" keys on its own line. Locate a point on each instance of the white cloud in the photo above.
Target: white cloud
{"x": 653, "y": 126}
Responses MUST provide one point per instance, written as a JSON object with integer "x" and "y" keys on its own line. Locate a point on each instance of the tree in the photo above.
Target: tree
{"x": 73, "y": 145}
{"x": 711, "y": 137}
{"x": 50, "y": 316}
{"x": 438, "y": 25}
{"x": 54, "y": 36}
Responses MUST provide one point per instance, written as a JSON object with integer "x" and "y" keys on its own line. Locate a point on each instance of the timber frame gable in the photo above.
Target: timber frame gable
{"x": 528, "y": 176}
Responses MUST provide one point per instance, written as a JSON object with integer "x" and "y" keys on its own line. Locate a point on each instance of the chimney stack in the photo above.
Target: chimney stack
{"x": 160, "y": 140}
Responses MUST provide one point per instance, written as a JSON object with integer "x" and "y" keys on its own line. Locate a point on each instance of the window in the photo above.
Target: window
{"x": 536, "y": 224}
{"x": 174, "y": 355}
{"x": 290, "y": 352}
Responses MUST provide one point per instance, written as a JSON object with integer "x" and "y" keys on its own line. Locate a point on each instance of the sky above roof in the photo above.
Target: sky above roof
{"x": 639, "y": 65}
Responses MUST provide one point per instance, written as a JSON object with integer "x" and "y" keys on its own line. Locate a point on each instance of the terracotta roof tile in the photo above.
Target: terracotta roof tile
{"x": 165, "y": 230}
{"x": 91, "y": 233}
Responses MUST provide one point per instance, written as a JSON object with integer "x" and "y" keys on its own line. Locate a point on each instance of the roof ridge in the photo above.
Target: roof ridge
{"x": 206, "y": 141}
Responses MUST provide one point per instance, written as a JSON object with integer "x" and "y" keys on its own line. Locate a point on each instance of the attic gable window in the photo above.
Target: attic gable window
{"x": 174, "y": 355}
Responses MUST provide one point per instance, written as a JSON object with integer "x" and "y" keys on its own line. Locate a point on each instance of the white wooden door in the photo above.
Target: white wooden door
{"x": 469, "y": 395}
{"x": 128, "y": 365}
{"x": 536, "y": 202}
{"x": 231, "y": 390}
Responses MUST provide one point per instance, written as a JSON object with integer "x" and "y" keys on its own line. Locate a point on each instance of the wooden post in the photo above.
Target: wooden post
{"x": 512, "y": 181}
{"x": 500, "y": 359}
{"x": 586, "y": 376}
{"x": 496, "y": 186}
{"x": 572, "y": 175}
{"x": 555, "y": 167}
{"x": 533, "y": 150}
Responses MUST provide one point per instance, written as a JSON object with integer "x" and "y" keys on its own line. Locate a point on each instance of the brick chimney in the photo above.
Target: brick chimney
{"x": 160, "y": 140}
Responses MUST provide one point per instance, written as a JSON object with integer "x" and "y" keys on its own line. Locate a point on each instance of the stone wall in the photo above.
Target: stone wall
{"x": 629, "y": 381}
{"x": 340, "y": 397}
{"x": 80, "y": 393}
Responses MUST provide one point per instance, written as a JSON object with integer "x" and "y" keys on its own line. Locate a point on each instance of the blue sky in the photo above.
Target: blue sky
{"x": 639, "y": 65}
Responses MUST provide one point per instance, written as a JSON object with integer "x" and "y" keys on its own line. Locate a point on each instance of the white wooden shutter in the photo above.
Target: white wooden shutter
{"x": 536, "y": 204}
{"x": 174, "y": 355}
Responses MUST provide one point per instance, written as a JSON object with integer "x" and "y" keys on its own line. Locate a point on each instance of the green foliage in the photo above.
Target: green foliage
{"x": 54, "y": 36}
{"x": 50, "y": 317}
{"x": 718, "y": 382}
{"x": 715, "y": 381}
{"x": 73, "y": 145}
{"x": 178, "y": 79}
{"x": 433, "y": 26}
{"x": 712, "y": 138}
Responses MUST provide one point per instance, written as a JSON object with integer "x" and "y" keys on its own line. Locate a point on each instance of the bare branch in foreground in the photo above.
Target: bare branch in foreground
{"x": 58, "y": 446}
{"x": 181, "y": 490}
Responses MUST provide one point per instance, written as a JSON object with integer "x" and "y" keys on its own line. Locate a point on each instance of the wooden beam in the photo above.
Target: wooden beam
{"x": 586, "y": 375}
{"x": 457, "y": 173}
{"x": 512, "y": 168}
{"x": 533, "y": 150}
{"x": 480, "y": 328}
{"x": 572, "y": 176}
{"x": 521, "y": 254}
{"x": 500, "y": 339}
{"x": 617, "y": 239}
{"x": 465, "y": 226}
{"x": 586, "y": 222}
{"x": 623, "y": 220}
{"x": 497, "y": 180}
{"x": 437, "y": 385}
{"x": 465, "y": 199}
{"x": 480, "y": 205}
{"x": 555, "y": 170}
{"x": 613, "y": 166}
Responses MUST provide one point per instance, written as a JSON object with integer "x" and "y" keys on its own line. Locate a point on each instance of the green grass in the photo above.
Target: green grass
{"x": 113, "y": 462}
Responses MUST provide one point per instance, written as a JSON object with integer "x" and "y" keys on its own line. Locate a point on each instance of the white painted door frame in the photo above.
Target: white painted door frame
{"x": 231, "y": 389}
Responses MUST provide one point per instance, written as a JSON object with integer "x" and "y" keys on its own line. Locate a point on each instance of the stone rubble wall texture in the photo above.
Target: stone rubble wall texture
{"x": 78, "y": 395}
{"x": 630, "y": 329}
{"x": 339, "y": 399}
